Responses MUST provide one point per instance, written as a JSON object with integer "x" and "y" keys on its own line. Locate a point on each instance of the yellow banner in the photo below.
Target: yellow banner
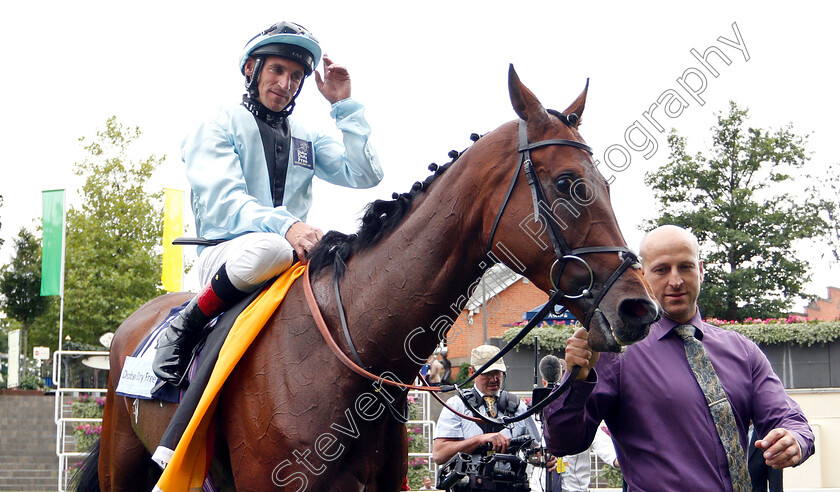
{"x": 173, "y": 227}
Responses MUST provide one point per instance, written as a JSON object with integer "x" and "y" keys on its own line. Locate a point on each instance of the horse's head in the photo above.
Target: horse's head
{"x": 556, "y": 223}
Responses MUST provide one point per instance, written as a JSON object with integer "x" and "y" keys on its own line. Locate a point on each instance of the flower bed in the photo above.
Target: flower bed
{"x": 793, "y": 329}
{"x": 87, "y": 407}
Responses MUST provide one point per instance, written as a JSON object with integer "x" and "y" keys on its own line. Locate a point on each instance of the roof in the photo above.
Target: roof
{"x": 495, "y": 279}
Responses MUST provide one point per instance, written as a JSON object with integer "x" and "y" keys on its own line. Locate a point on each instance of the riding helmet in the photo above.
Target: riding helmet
{"x": 287, "y": 40}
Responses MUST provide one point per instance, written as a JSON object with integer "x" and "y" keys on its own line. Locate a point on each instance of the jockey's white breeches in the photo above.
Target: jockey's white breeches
{"x": 250, "y": 259}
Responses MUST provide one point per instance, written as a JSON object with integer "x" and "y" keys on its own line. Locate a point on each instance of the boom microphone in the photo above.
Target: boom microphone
{"x": 551, "y": 369}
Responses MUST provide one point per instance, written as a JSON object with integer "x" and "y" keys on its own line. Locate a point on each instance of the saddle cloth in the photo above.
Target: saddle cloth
{"x": 137, "y": 377}
{"x": 187, "y": 465}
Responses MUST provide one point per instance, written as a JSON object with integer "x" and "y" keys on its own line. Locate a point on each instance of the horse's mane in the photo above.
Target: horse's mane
{"x": 379, "y": 218}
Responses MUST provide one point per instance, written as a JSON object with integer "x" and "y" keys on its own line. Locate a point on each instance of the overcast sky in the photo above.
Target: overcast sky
{"x": 429, "y": 73}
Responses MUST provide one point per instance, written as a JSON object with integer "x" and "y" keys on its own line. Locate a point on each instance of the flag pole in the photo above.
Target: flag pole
{"x": 52, "y": 251}
{"x": 61, "y": 274}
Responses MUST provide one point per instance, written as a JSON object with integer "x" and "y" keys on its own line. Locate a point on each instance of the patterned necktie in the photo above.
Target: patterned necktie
{"x": 491, "y": 405}
{"x": 719, "y": 406}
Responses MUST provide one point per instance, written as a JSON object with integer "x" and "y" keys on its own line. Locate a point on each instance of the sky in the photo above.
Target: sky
{"x": 429, "y": 74}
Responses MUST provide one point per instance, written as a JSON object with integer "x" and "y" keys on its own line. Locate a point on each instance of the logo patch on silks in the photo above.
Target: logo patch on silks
{"x": 302, "y": 153}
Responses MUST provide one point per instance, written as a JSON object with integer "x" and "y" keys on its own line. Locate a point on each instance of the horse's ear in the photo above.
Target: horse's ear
{"x": 525, "y": 103}
{"x": 577, "y": 107}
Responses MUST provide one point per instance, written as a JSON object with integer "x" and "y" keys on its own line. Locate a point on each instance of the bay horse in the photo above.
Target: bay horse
{"x": 291, "y": 415}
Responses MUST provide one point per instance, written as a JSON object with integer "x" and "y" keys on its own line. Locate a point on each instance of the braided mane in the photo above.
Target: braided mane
{"x": 380, "y": 217}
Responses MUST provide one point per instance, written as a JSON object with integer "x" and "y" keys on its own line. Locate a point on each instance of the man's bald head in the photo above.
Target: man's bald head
{"x": 671, "y": 265}
{"x": 667, "y": 235}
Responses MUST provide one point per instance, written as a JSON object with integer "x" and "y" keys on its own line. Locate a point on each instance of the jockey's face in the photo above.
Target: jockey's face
{"x": 279, "y": 81}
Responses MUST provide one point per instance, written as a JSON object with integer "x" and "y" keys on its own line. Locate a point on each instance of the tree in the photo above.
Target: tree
{"x": 747, "y": 211}
{"x": 829, "y": 185}
{"x": 1, "y": 224}
{"x": 112, "y": 255}
{"x": 20, "y": 284}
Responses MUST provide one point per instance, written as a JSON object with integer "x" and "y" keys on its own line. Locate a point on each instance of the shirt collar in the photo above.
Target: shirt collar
{"x": 481, "y": 394}
{"x": 666, "y": 325}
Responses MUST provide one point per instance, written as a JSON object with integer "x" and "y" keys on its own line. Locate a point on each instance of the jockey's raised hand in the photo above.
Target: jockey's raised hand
{"x": 335, "y": 84}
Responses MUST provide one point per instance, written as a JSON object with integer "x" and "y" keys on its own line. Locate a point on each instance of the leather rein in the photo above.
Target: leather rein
{"x": 563, "y": 254}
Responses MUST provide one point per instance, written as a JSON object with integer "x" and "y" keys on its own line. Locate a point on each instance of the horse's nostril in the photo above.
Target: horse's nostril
{"x": 638, "y": 310}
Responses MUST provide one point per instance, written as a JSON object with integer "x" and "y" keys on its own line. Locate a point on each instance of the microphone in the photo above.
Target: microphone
{"x": 551, "y": 369}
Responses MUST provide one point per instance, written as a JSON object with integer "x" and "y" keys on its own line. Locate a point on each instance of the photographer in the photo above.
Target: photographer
{"x": 457, "y": 435}
{"x": 485, "y": 456}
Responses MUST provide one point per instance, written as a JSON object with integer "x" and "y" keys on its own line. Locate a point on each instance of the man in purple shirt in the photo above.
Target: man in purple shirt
{"x": 648, "y": 396}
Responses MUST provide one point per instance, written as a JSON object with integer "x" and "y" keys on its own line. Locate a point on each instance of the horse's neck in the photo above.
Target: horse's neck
{"x": 412, "y": 285}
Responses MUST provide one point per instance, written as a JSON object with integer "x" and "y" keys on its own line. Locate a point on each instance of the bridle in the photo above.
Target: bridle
{"x": 563, "y": 252}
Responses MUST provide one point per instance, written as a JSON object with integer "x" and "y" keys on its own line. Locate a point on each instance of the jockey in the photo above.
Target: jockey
{"x": 250, "y": 169}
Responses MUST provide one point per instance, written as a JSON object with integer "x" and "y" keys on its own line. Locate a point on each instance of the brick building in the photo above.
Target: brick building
{"x": 825, "y": 309}
{"x": 505, "y": 296}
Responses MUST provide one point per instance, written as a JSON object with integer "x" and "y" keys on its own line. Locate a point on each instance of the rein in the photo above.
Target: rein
{"x": 563, "y": 252}
{"x": 325, "y": 332}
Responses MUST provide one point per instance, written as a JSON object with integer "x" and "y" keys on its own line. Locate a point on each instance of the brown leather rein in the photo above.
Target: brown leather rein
{"x": 325, "y": 332}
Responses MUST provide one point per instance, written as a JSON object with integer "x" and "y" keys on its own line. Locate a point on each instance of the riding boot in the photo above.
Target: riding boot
{"x": 177, "y": 342}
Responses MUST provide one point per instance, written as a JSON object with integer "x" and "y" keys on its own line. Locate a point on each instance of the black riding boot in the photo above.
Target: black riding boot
{"x": 176, "y": 343}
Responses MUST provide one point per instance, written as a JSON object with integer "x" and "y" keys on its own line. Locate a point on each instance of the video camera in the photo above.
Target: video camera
{"x": 491, "y": 472}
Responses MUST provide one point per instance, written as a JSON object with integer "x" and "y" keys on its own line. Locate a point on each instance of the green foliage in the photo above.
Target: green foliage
{"x": 418, "y": 466}
{"x": 747, "y": 210}
{"x": 113, "y": 261}
{"x": 612, "y": 475}
{"x": 828, "y": 185}
{"x": 776, "y": 331}
{"x": 31, "y": 381}
{"x": 552, "y": 336}
{"x": 463, "y": 374}
{"x": 20, "y": 285}
{"x": 86, "y": 433}
{"x": 416, "y": 474}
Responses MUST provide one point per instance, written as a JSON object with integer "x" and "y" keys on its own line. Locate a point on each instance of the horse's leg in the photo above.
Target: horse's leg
{"x": 124, "y": 463}
{"x": 395, "y": 469}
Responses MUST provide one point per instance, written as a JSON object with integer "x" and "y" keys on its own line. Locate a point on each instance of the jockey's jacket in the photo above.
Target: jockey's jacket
{"x": 232, "y": 192}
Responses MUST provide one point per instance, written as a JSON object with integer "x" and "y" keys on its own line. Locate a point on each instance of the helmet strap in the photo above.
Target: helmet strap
{"x": 252, "y": 82}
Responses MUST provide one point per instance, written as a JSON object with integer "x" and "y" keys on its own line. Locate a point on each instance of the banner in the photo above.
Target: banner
{"x": 52, "y": 249}
{"x": 14, "y": 359}
{"x": 173, "y": 228}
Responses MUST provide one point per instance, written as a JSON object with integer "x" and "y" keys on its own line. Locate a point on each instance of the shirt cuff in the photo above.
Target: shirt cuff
{"x": 580, "y": 390}
{"x": 344, "y": 108}
{"x": 800, "y": 441}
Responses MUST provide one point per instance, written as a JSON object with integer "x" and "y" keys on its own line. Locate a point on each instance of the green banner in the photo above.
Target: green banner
{"x": 52, "y": 251}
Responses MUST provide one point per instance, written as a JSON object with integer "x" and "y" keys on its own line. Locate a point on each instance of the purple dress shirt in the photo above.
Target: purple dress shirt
{"x": 657, "y": 414}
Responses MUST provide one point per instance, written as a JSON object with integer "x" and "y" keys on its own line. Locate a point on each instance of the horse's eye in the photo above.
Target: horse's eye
{"x": 564, "y": 185}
